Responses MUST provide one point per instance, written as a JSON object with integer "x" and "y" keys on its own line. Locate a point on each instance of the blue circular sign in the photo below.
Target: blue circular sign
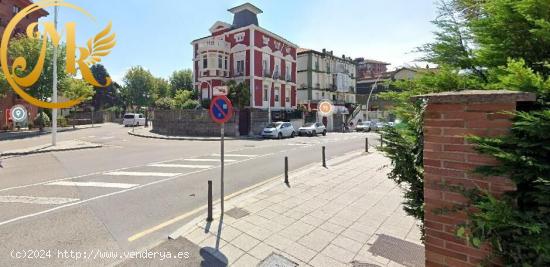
{"x": 221, "y": 109}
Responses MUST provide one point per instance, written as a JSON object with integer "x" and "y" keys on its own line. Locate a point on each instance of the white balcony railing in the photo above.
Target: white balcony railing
{"x": 212, "y": 44}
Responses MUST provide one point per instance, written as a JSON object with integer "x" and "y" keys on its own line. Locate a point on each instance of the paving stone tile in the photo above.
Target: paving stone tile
{"x": 357, "y": 235}
{"x": 246, "y": 260}
{"x": 312, "y": 220}
{"x": 323, "y": 261}
{"x": 232, "y": 253}
{"x": 300, "y": 252}
{"x": 347, "y": 244}
{"x": 267, "y": 213}
{"x": 245, "y": 242}
{"x": 262, "y": 250}
{"x": 229, "y": 233}
{"x": 296, "y": 230}
{"x": 338, "y": 253}
{"x": 333, "y": 228}
{"x": 197, "y": 236}
{"x": 317, "y": 240}
{"x": 278, "y": 242}
{"x": 259, "y": 233}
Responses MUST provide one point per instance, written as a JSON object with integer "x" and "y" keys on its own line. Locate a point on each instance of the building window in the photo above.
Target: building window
{"x": 15, "y": 9}
{"x": 220, "y": 60}
{"x": 239, "y": 37}
{"x": 277, "y": 71}
{"x": 225, "y": 63}
{"x": 240, "y": 68}
{"x": 328, "y": 68}
{"x": 265, "y": 65}
{"x": 317, "y": 64}
{"x": 276, "y": 94}
{"x": 287, "y": 72}
{"x": 287, "y": 95}
{"x": 266, "y": 89}
{"x": 204, "y": 62}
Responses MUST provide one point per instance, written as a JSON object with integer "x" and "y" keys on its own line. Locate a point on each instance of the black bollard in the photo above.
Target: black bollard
{"x": 286, "y": 170}
{"x": 367, "y": 145}
{"x": 209, "y": 218}
{"x": 381, "y": 139}
{"x": 324, "y": 158}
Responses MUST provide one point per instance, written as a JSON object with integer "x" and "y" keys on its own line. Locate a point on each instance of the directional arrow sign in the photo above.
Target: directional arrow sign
{"x": 221, "y": 109}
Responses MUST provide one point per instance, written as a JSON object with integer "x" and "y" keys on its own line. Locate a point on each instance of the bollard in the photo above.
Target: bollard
{"x": 209, "y": 218}
{"x": 286, "y": 170}
{"x": 324, "y": 158}
{"x": 381, "y": 139}
{"x": 367, "y": 145}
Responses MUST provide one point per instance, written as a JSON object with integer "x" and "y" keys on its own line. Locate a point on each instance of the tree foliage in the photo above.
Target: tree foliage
{"x": 104, "y": 97}
{"x": 138, "y": 87}
{"x": 489, "y": 44}
{"x": 239, "y": 94}
{"x": 181, "y": 80}
{"x": 76, "y": 88}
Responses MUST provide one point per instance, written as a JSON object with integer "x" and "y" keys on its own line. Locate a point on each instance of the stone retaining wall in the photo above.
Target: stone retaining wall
{"x": 190, "y": 123}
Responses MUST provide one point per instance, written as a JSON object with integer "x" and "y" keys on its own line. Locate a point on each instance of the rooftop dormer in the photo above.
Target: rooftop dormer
{"x": 244, "y": 15}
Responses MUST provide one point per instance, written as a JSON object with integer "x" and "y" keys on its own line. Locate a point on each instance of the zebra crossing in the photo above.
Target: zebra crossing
{"x": 111, "y": 180}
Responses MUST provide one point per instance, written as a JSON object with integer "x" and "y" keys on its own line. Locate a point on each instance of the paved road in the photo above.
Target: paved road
{"x": 133, "y": 192}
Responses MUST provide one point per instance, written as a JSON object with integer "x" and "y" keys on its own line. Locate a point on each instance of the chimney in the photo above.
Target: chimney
{"x": 324, "y": 51}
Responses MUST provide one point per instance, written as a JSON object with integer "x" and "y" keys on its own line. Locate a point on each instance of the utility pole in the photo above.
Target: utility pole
{"x": 54, "y": 96}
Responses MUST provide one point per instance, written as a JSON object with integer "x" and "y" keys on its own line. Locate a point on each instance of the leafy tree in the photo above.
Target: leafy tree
{"x": 181, "y": 80}
{"x": 76, "y": 88}
{"x": 30, "y": 50}
{"x": 4, "y": 86}
{"x": 104, "y": 96}
{"x": 185, "y": 100}
{"x": 138, "y": 87}
{"x": 239, "y": 94}
{"x": 161, "y": 89}
{"x": 165, "y": 103}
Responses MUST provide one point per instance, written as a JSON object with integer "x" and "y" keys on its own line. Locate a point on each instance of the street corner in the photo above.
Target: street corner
{"x": 70, "y": 145}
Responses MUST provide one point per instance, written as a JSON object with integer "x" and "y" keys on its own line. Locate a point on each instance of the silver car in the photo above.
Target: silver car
{"x": 365, "y": 126}
{"x": 278, "y": 130}
{"x": 313, "y": 128}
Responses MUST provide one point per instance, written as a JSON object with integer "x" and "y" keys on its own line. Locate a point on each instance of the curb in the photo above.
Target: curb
{"x": 189, "y": 138}
{"x": 38, "y": 133}
{"x": 47, "y": 151}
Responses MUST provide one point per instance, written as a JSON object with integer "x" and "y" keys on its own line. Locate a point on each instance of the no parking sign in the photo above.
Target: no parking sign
{"x": 221, "y": 109}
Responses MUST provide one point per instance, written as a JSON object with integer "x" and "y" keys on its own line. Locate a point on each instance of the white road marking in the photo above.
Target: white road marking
{"x": 235, "y": 155}
{"x": 94, "y": 184}
{"x": 209, "y": 160}
{"x": 182, "y": 166}
{"x": 160, "y": 174}
{"x": 37, "y": 200}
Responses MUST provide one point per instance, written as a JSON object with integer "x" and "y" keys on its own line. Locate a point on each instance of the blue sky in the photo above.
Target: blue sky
{"x": 157, "y": 34}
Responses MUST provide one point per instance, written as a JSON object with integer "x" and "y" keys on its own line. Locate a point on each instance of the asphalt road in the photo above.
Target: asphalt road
{"x": 132, "y": 193}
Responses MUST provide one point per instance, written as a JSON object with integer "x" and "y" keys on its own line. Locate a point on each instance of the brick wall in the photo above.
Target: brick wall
{"x": 449, "y": 159}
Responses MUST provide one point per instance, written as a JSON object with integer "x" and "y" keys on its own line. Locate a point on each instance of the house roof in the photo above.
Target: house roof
{"x": 246, "y": 6}
{"x": 372, "y": 61}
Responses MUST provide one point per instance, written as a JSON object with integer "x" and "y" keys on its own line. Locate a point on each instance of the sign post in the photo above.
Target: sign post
{"x": 18, "y": 114}
{"x": 221, "y": 111}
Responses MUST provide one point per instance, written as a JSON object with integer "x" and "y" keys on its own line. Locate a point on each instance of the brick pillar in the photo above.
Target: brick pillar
{"x": 449, "y": 159}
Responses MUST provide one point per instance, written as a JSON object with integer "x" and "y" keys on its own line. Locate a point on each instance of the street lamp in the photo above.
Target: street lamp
{"x": 375, "y": 85}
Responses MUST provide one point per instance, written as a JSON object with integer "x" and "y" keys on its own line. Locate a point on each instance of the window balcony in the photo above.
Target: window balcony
{"x": 215, "y": 45}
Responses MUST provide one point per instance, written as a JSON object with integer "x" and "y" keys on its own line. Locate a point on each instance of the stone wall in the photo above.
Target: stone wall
{"x": 449, "y": 160}
{"x": 190, "y": 123}
{"x": 258, "y": 121}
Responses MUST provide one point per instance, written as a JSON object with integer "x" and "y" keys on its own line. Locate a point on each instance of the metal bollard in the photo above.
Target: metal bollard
{"x": 324, "y": 158}
{"x": 209, "y": 218}
{"x": 367, "y": 145}
{"x": 286, "y": 170}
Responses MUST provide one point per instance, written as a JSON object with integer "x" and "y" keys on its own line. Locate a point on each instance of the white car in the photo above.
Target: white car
{"x": 133, "y": 119}
{"x": 278, "y": 130}
{"x": 313, "y": 128}
{"x": 365, "y": 126}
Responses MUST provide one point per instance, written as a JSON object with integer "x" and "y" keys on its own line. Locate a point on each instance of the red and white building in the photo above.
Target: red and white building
{"x": 244, "y": 51}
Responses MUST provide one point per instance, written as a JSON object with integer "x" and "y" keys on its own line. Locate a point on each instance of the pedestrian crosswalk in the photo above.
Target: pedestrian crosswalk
{"x": 36, "y": 200}
{"x": 158, "y": 174}
{"x": 93, "y": 184}
{"x": 161, "y": 165}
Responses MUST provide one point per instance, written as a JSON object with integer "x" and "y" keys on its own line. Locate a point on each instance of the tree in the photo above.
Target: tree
{"x": 161, "y": 89}
{"x": 75, "y": 88}
{"x": 185, "y": 100}
{"x": 30, "y": 49}
{"x": 138, "y": 87}
{"x": 4, "y": 86}
{"x": 239, "y": 94}
{"x": 181, "y": 80}
{"x": 104, "y": 96}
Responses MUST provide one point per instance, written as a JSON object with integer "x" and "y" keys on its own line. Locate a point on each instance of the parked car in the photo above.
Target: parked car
{"x": 133, "y": 119}
{"x": 279, "y": 130}
{"x": 365, "y": 126}
{"x": 313, "y": 128}
{"x": 379, "y": 126}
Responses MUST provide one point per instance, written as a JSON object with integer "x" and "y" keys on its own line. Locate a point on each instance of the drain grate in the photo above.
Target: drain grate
{"x": 237, "y": 213}
{"x": 276, "y": 260}
{"x": 398, "y": 250}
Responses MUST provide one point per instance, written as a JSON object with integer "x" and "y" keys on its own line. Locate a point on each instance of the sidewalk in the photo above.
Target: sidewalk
{"x": 347, "y": 215}
{"x": 13, "y": 135}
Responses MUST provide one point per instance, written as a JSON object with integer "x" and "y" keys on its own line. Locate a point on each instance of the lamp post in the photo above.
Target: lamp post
{"x": 54, "y": 96}
{"x": 375, "y": 85}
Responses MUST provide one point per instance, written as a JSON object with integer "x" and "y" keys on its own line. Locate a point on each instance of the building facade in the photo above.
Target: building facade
{"x": 8, "y": 9}
{"x": 368, "y": 68}
{"x": 323, "y": 76}
{"x": 245, "y": 52}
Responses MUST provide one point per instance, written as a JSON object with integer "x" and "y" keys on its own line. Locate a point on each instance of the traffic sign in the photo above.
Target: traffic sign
{"x": 18, "y": 113}
{"x": 220, "y": 90}
{"x": 221, "y": 109}
{"x": 325, "y": 108}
